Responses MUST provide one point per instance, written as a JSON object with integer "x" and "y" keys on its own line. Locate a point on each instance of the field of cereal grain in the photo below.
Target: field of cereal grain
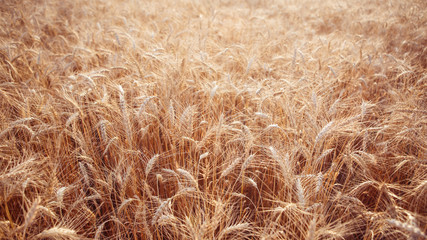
{"x": 197, "y": 119}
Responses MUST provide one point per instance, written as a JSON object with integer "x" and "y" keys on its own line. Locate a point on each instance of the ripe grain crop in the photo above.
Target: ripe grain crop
{"x": 255, "y": 119}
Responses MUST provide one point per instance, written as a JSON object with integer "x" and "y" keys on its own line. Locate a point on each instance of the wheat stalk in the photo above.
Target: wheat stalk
{"x": 319, "y": 182}
{"x": 85, "y": 174}
{"x": 72, "y": 118}
{"x": 284, "y": 164}
{"x": 233, "y": 228}
{"x": 151, "y": 163}
{"x": 58, "y": 233}
{"x": 188, "y": 176}
{"x": 323, "y": 132}
{"x": 247, "y": 162}
{"x": 99, "y": 231}
{"x": 311, "y": 230}
{"x": 161, "y": 210}
{"x": 324, "y": 154}
{"x": 415, "y": 231}
{"x": 230, "y": 167}
{"x": 102, "y": 128}
{"x": 31, "y": 214}
{"x": 122, "y": 105}
{"x": 300, "y": 192}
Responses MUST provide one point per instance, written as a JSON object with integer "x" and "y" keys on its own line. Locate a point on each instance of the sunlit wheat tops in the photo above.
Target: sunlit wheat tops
{"x": 244, "y": 119}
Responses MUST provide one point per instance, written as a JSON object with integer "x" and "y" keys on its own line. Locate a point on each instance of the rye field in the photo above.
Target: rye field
{"x": 213, "y": 119}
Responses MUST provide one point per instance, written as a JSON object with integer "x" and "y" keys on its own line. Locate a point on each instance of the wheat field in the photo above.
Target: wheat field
{"x": 197, "y": 119}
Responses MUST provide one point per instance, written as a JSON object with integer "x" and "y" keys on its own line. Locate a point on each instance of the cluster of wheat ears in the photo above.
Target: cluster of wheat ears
{"x": 200, "y": 119}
